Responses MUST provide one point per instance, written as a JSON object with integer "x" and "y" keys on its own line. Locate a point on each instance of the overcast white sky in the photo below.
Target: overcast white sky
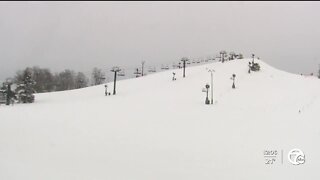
{"x": 82, "y": 35}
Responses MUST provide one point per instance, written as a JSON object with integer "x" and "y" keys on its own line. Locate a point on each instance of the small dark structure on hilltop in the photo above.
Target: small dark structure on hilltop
{"x": 253, "y": 66}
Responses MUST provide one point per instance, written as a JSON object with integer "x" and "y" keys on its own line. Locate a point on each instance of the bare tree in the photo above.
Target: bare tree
{"x": 65, "y": 80}
{"x": 98, "y": 76}
{"x": 81, "y": 80}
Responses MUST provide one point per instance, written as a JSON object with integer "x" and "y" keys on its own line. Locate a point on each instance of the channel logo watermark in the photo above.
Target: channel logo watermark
{"x": 296, "y": 157}
{"x": 274, "y": 156}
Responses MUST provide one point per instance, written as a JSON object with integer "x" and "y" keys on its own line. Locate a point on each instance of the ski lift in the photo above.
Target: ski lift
{"x": 137, "y": 72}
{"x": 165, "y": 67}
{"x": 152, "y": 69}
{"x": 121, "y": 73}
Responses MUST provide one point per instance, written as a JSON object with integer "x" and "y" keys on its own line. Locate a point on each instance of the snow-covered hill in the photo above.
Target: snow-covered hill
{"x": 159, "y": 129}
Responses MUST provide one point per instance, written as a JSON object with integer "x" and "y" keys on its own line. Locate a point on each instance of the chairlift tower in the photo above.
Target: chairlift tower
{"x": 142, "y": 67}
{"x": 184, "y": 60}
{"x": 115, "y": 69}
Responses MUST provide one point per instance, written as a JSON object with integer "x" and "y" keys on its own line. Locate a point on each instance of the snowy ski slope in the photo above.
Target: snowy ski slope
{"x": 159, "y": 129}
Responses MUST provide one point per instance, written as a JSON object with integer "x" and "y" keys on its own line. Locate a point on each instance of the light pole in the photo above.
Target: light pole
{"x": 211, "y": 71}
{"x": 252, "y": 58}
{"x": 115, "y": 70}
{"x": 207, "y": 98}
{"x": 233, "y": 79}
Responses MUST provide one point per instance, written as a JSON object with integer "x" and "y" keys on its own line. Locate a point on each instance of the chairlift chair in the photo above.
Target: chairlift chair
{"x": 121, "y": 73}
{"x": 152, "y": 69}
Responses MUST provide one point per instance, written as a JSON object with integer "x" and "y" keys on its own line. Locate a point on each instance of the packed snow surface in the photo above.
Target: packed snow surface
{"x": 159, "y": 129}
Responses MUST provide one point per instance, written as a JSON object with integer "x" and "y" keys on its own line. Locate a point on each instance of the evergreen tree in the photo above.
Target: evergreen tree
{"x": 43, "y": 77}
{"x": 25, "y": 88}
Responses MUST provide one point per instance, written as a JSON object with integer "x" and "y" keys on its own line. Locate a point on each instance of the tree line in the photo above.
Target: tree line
{"x": 46, "y": 81}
